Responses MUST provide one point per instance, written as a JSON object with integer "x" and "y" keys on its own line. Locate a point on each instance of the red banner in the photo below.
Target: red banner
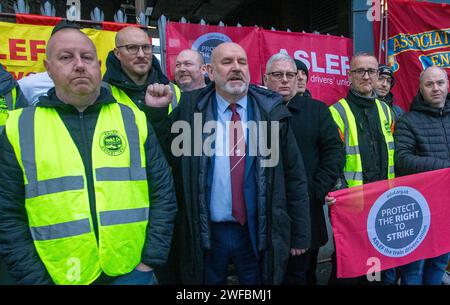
{"x": 419, "y": 37}
{"x": 389, "y": 223}
{"x": 204, "y": 38}
{"x": 327, "y": 58}
{"x": 37, "y": 19}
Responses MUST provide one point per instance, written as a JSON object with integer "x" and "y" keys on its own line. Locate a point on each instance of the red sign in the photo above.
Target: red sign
{"x": 389, "y": 223}
{"x": 327, "y": 58}
{"x": 204, "y": 38}
{"x": 419, "y": 37}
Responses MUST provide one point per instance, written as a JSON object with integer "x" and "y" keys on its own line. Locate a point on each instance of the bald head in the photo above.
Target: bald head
{"x": 434, "y": 86}
{"x": 229, "y": 70}
{"x": 134, "y": 51}
{"x": 228, "y": 47}
{"x": 189, "y": 70}
{"x": 193, "y": 55}
{"x": 73, "y": 66}
{"x": 130, "y": 31}
{"x": 56, "y": 38}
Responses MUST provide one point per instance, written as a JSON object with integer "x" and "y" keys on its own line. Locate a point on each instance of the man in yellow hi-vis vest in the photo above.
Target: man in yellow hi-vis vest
{"x": 86, "y": 194}
{"x": 366, "y": 125}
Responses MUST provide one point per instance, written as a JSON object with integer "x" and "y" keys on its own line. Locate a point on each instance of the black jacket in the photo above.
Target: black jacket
{"x": 281, "y": 200}
{"x": 372, "y": 145}
{"x": 16, "y": 244}
{"x": 389, "y": 100}
{"x": 422, "y": 138}
{"x": 323, "y": 155}
{"x": 115, "y": 75}
{"x": 7, "y": 83}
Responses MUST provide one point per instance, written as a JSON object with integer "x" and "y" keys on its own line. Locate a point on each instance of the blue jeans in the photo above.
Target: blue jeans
{"x": 136, "y": 277}
{"x": 424, "y": 272}
{"x": 230, "y": 243}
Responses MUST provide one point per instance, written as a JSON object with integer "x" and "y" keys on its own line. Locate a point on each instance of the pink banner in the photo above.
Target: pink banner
{"x": 327, "y": 58}
{"x": 204, "y": 38}
{"x": 389, "y": 223}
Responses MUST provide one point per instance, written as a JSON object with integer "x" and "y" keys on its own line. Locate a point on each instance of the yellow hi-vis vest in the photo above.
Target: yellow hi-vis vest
{"x": 7, "y": 103}
{"x": 345, "y": 120}
{"x": 123, "y": 98}
{"x": 56, "y": 194}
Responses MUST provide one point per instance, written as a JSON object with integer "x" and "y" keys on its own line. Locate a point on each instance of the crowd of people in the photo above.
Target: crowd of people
{"x": 129, "y": 178}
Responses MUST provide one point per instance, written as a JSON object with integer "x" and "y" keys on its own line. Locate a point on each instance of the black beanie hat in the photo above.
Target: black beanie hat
{"x": 301, "y": 66}
{"x": 383, "y": 69}
{"x": 65, "y": 24}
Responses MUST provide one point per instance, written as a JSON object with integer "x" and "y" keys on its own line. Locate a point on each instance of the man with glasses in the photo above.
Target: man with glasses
{"x": 131, "y": 67}
{"x": 366, "y": 126}
{"x": 383, "y": 86}
{"x": 322, "y": 151}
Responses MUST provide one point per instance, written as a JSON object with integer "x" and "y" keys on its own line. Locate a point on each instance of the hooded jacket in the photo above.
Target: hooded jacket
{"x": 422, "y": 138}
{"x": 116, "y": 76}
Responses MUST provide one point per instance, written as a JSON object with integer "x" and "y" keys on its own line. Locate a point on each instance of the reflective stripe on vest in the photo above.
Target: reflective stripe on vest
{"x": 176, "y": 96}
{"x": 57, "y": 199}
{"x": 345, "y": 119}
{"x": 10, "y": 100}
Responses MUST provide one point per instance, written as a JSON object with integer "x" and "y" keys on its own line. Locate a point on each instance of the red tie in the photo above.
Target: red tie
{"x": 237, "y": 166}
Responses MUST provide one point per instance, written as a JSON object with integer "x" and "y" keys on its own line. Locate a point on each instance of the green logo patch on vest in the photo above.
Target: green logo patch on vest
{"x": 3, "y": 106}
{"x": 112, "y": 143}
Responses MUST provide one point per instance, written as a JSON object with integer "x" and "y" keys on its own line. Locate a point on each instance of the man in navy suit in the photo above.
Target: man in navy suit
{"x": 240, "y": 182}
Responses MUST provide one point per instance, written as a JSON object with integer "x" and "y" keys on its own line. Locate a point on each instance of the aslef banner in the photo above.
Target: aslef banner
{"x": 22, "y": 44}
{"x": 418, "y": 37}
{"x": 326, "y": 56}
{"x": 385, "y": 224}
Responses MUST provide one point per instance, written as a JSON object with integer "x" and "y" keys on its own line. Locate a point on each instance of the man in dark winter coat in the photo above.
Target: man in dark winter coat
{"x": 78, "y": 173}
{"x": 422, "y": 143}
{"x": 383, "y": 87}
{"x": 322, "y": 150}
{"x": 252, "y": 212}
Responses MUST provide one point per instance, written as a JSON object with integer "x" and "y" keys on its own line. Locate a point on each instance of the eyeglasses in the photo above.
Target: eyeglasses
{"x": 361, "y": 72}
{"x": 280, "y": 75}
{"x": 134, "y": 48}
{"x": 383, "y": 79}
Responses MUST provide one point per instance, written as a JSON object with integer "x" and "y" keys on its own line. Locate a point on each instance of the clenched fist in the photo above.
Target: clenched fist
{"x": 158, "y": 95}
